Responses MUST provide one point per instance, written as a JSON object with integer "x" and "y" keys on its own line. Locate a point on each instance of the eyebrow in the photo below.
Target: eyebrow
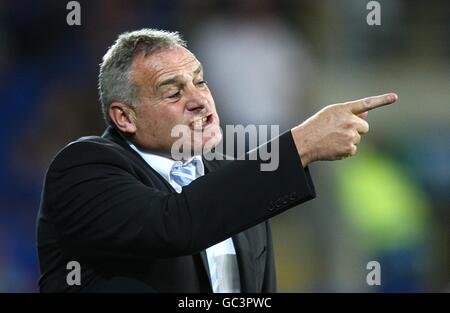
{"x": 177, "y": 79}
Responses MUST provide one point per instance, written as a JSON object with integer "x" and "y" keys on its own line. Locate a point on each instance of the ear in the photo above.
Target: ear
{"x": 123, "y": 116}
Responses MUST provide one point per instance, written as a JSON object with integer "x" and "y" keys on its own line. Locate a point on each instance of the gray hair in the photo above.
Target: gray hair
{"x": 115, "y": 81}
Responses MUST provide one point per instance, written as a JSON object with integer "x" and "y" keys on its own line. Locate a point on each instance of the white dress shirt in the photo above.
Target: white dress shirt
{"x": 223, "y": 252}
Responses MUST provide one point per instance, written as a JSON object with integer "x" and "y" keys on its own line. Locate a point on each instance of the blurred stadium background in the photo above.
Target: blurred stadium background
{"x": 267, "y": 62}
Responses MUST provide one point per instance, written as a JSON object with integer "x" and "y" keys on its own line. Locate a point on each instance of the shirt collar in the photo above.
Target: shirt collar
{"x": 163, "y": 165}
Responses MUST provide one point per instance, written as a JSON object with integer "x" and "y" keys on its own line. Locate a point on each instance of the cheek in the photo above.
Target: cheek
{"x": 148, "y": 122}
{"x": 209, "y": 96}
{"x": 213, "y": 104}
{"x": 161, "y": 122}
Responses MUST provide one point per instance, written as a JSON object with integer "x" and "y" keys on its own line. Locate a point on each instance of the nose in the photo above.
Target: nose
{"x": 196, "y": 101}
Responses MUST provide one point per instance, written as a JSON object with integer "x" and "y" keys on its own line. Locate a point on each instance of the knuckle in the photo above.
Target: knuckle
{"x": 351, "y": 134}
{"x": 338, "y": 107}
{"x": 332, "y": 109}
{"x": 349, "y": 125}
{"x": 349, "y": 149}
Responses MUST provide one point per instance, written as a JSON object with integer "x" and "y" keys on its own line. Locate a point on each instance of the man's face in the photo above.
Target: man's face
{"x": 171, "y": 92}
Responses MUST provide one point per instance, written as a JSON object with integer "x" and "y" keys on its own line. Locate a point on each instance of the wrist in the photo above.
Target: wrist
{"x": 302, "y": 145}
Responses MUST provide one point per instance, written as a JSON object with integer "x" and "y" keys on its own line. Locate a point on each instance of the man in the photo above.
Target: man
{"x": 135, "y": 220}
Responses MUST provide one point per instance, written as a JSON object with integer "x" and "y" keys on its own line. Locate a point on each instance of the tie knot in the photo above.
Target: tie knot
{"x": 184, "y": 174}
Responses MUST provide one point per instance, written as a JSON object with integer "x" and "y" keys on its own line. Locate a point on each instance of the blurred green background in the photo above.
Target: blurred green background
{"x": 267, "y": 62}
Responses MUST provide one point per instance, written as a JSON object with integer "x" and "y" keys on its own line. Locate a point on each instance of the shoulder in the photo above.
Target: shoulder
{"x": 89, "y": 149}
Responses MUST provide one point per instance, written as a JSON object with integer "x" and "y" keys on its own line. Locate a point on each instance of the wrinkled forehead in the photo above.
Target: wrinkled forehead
{"x": 162, "y": 64}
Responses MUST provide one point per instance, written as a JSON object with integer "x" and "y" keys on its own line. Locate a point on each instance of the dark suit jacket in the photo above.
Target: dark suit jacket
{"x": 104, "y": 207}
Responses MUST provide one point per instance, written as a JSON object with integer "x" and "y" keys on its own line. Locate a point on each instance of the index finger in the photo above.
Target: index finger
{"x": 370, "y": 103}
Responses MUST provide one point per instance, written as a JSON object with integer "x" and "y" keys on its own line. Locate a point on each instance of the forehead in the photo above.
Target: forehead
{"x": 163, "y": 64}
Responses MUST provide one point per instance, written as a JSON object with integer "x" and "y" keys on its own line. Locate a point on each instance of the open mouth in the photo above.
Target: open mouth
{"x": 201, "y": 123}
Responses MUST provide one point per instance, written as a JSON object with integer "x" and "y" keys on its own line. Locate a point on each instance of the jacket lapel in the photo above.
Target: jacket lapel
{"x": 245, "y": 264}
{"x": 244, "y": 260}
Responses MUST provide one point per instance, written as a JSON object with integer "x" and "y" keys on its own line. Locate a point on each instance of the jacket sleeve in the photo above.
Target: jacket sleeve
{"x": 100, "y": 207}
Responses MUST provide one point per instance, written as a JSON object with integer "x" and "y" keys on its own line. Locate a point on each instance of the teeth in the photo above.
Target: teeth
{"x": 200, "y": 122}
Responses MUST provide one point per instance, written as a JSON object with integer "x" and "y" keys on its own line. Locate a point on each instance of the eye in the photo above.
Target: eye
{"x": 201, "y": 83}
{"x": 175, "y": 95}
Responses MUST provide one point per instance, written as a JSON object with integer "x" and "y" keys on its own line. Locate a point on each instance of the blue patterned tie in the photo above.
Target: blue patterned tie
{"x": 183, "y": 175}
